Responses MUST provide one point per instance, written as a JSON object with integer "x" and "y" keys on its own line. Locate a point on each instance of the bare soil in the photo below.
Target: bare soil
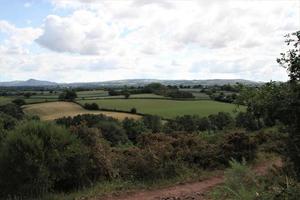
{"x": 188, "y": 191}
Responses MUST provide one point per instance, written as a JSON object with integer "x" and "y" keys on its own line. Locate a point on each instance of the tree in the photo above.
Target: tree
{"x": 133, "y": 110}
{"x": 19, "y": 102}
{"x": 291, "y": 59}
{"x": 126, "y": 95}
{"x": 68, "y": 95}
{"x": 91, "y": 106}
{"x": 291, "y": 107}
{"x": 27, "y": 95}
{"x": 246, "y": 120}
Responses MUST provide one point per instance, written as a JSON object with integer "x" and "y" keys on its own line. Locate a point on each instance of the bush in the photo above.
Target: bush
{"x": 12, "y": 110}
{"x": 152, "y": 158}
{"x": 152, "y": 122}
{"x": 7, "y": 122}
{"x": 246, "y": 120}
{"x": 92, "y": 106}
{"x": 133, "y": 128}
{"x": 100, "y": 153}
{"x": 113, "y": 132}
{"x": 68, "y": 95}
{"x": 19, "y": 102}
{"x": 37, "y": 157}
{"x": 88, "y": 119}
{"x": 195, "y": 151}
{"x": 220, "y": 120}
{"x": 133, "y": 110}
{"x": 237, "y": 146}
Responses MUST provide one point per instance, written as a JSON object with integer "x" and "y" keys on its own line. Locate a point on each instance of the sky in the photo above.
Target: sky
{"x": 99, "y": 40}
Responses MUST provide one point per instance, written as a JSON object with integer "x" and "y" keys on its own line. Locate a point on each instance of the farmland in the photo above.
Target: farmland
{"x": 166, "y": 108}
{"x": 55, "y": 110}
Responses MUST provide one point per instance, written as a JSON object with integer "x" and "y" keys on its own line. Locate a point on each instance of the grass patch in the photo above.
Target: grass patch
{"x": 166, "y": 108}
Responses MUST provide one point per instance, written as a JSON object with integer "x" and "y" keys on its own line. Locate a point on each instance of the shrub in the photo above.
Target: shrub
{"x": 133, "y": 128}
{"x": 37, "y": 157}
{"x": 100, "y": 153}
{"x": 12, "y": 110}
{"x": 68, "y": 95}
{"x": 246, "y": 120}
{"x": 19, "y": 102}
{"x": 92, "y": 106}
{"x": 88, "y": 119}
{"x": 195, "y": 151}
{"x": 237, "y": 146}
{"x": 7, "y": 122}
{"x": 220, "y": 120}
{"x": 126, "y": 95}
{"x": 152, "y": 122}
{"x": 133, "y": 110}
{"x": 113, "y": 132}
{"x": 146, "y": 164}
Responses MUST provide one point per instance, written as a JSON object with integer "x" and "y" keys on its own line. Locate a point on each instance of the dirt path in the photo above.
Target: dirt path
{"x": 189, "y": 191}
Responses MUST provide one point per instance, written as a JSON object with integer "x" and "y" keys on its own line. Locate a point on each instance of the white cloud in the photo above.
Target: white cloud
{"x": 17, "y": 38}
{"x": 103, "y": 40}
{"x": 82, "y": 32}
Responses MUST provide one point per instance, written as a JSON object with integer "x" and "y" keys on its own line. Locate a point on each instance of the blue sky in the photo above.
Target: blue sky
{"x": 97, "y": 40}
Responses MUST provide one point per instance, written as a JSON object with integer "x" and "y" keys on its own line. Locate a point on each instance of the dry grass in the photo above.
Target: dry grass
{"x": 54, "y": 110}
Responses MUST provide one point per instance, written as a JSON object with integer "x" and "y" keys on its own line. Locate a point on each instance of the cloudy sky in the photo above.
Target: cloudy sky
{"x": 97, "y": 40}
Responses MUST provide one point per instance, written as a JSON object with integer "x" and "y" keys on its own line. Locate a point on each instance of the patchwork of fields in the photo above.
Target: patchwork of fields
{"x": 55, "y": 110}
{"x": 47, "y": 108}
{"x": 166, "y": 108}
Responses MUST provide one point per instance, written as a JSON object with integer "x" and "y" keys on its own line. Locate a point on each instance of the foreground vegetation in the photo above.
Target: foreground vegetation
{"x": 87, "y": 150}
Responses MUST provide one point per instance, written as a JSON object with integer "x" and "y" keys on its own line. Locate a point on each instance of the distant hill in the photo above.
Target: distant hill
{"x": 28, "y": 83}
{"x": 128, "y": 82}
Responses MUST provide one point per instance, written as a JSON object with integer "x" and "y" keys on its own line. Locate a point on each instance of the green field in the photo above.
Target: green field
{"x": 166, "y": 108}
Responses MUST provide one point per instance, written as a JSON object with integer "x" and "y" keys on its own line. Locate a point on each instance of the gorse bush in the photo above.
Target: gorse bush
{"x": 99, "y": 153}
{"x": 12, "y": 110}
{"x": 19, "y": 102}
{"x": 238, "y": 146}
{"x": 37, "y": 157}
{"x": 133, "y": 128}
{"x": 112, "y": 132}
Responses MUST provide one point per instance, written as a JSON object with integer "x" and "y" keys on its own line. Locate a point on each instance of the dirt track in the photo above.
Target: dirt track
{"x": 189, "y": 191}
